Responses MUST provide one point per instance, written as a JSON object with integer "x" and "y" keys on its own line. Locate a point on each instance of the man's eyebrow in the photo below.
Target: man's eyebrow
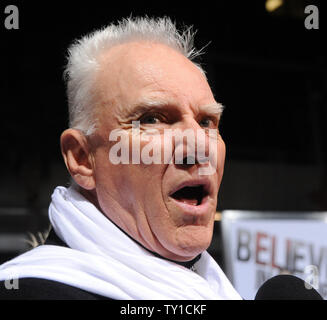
{"x": 139, "y": 108}
{"x": 145, "y": 105}
{"x": 212, "y": 109}
{"x": 151, "y": 103}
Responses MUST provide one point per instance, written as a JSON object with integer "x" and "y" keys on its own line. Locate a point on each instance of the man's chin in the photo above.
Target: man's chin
{"x": 190, "y": 241}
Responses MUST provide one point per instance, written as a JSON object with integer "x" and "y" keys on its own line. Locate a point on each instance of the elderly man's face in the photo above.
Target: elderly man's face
{"x": 168, "y": 208}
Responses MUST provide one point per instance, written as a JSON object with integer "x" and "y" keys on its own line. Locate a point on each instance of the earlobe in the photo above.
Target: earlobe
{"x": 77, "y": 157}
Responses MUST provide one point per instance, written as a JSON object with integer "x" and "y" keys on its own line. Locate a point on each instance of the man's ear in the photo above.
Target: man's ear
{"x": 78, "y": 158}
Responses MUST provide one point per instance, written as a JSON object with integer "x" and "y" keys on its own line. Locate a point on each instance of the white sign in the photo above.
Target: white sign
{"x": 259, "y": 245}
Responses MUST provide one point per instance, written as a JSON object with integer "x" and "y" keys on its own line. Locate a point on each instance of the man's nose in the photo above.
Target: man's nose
{"x": 191, "y": 145}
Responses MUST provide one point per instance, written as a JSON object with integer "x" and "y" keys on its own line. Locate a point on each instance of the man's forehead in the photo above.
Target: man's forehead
{"x": 154, "y": 82}
{"x": 137, "y": 51}
{"x": 148, "y": 61}
{"x": 140, "y": 66}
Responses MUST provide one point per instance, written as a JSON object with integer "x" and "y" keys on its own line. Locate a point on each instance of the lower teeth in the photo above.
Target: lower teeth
{"x": 190, "y": 202}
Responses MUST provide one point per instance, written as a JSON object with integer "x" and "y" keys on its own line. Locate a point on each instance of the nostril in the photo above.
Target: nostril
{"x": 189, "y": 160}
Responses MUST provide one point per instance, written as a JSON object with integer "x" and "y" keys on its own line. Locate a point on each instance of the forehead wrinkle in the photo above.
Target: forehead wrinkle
{"x": 144, "y": 104}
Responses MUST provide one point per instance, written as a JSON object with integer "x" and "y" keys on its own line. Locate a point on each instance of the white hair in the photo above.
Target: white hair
{"x": 84, "y": 53}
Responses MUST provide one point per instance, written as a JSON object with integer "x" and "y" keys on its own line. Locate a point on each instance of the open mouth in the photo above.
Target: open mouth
{"x": 192, "y": 195}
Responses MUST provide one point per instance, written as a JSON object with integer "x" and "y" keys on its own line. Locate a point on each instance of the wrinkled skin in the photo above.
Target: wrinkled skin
{"x": 137, "y": 196}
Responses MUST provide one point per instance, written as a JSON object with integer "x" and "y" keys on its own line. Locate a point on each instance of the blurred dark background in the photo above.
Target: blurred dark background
{"x": 268, "y": 70}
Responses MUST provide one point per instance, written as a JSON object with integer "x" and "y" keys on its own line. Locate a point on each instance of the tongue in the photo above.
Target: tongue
{"x": 192, "y": 202}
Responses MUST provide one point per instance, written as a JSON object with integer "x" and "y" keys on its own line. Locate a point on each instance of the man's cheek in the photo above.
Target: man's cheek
{"x": 145, "y": 146}
{"x": 221, "y": 160}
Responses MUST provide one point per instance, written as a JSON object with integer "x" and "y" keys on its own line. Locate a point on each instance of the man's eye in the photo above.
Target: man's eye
{"x": 150, "y": 119}
{"x": 208, "y": 123}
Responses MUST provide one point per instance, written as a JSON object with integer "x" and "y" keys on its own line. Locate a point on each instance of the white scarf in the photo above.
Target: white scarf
{"x": 103, "y": 260}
